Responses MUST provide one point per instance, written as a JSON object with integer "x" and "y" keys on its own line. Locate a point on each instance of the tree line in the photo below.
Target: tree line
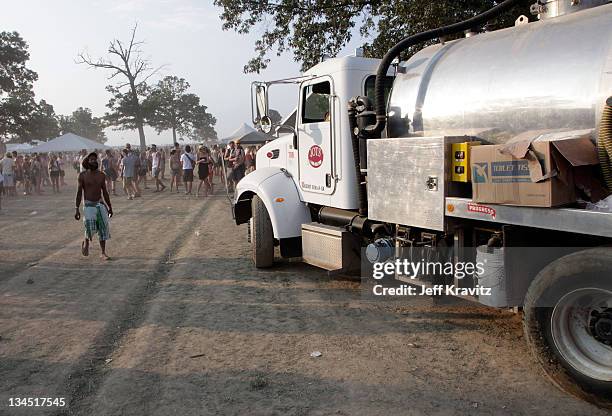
{"x": 134, "y": 103}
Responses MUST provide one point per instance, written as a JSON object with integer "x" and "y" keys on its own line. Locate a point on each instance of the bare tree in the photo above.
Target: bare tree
{"x": 125, "y": 60}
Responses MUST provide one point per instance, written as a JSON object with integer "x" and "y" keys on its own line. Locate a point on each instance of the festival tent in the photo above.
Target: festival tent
{"x": 239, "y": 132}
{"x": 288, "y": 121}
{"x": 254, "y": 137}
{"x": 18, "y": 147}
{"x": 247, "y": 135}
{"x": 68, "y": 142}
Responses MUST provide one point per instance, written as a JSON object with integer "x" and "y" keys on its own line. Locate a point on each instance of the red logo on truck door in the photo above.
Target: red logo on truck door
{"x": 315, "y": 156}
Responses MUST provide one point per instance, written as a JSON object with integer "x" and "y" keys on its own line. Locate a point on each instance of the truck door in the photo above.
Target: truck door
{"x": 315, "y": 118}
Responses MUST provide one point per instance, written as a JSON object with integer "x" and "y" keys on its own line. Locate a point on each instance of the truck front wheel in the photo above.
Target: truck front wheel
{"x": 568, "y": 323}
{"x": 262, "y": 236}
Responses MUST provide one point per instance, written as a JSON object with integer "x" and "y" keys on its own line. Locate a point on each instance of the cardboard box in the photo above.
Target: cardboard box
{"x": 534, "y": 170}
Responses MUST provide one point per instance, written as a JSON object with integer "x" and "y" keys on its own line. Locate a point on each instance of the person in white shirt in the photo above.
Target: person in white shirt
{"x": 188, "y": 161}
{"x": 7, "y": 166}
{"x": 82, "y": 156}
{"x": 156, "y": 164}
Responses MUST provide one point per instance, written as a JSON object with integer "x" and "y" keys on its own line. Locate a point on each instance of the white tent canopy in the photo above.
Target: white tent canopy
{"x": 239, "y": 132}
{"x": 18, "y": 147}
{"x": 68, "y": 142}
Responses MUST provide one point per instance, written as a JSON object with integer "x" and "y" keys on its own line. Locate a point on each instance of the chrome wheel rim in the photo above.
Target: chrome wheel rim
{"x": 581, "y": 327}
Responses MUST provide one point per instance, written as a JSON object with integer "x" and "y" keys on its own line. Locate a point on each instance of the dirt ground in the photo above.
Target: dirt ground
{"x": 181, "y": 323}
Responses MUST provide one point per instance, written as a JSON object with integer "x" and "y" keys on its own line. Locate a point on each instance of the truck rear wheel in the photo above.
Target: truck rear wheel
{"x": 262, "y": 236}
{"x": 568, "y": 323}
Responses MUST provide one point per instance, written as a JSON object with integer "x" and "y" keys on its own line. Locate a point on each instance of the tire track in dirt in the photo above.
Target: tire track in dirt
{"x": 88, "y": 373}
{"x": 8, "y": 272}
{"x": 169, "y": 340}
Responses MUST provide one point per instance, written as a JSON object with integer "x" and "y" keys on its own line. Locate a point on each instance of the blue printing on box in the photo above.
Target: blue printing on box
{"x": 510, "y": 168}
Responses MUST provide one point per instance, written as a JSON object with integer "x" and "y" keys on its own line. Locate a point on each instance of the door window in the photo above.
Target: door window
{"x": 315, "y": 104}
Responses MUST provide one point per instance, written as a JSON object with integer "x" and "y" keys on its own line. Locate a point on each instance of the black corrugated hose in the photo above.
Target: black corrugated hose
{"x": 374, "y": 131}
{"x": 604, "y": 143}
{"x": 361, "y": 189}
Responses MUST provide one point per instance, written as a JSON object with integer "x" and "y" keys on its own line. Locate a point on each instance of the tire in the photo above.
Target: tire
{"x": 568, "y": 323}
{"x": 262, "y": 235}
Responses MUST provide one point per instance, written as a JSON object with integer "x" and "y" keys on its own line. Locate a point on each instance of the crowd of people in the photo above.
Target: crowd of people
{"x": 30, "y": 173}
{"x": 175, "y": 167}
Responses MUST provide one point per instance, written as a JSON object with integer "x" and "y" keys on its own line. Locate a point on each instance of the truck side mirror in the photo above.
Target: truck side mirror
{"x": 260, "y": 102}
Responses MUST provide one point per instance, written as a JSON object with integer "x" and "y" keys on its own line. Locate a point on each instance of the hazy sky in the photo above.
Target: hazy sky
{"x": 184, "y": 35}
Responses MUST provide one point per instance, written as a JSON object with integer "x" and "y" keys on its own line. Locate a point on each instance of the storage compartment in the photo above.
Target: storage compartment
{"x": 408, "y": 179}
{"x": 330, "y": 248}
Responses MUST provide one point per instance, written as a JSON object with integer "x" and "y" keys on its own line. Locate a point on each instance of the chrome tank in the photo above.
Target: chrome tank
{"x": 553, "y": 74}
{"x": 553, "y": 8}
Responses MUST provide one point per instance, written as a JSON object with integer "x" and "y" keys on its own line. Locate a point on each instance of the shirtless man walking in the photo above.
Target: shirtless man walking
{"x": 97, "y": 209}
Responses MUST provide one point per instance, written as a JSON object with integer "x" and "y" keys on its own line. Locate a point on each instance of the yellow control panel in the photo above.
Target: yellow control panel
{"x": 461, "y": 161}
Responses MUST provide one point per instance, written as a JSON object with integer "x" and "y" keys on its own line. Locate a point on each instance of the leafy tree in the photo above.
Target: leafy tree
{"x": 125, "y": 61}
{"x": 24, "y": 120}
{"x": 15, "y": 111}
{"x": 171, "y": 107}
{"x": 315, "y": 28}
{"x": 83, "y": 123}
{"x": 127, "y": 111}
{"x": 17, "y": 103}
{"x": 14, "y": 75}
{"x": 203, "y": 125}
{"x": 42, "y": 123}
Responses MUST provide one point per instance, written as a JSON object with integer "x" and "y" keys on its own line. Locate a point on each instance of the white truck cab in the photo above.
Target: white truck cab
{"x": 311, "y": 161}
